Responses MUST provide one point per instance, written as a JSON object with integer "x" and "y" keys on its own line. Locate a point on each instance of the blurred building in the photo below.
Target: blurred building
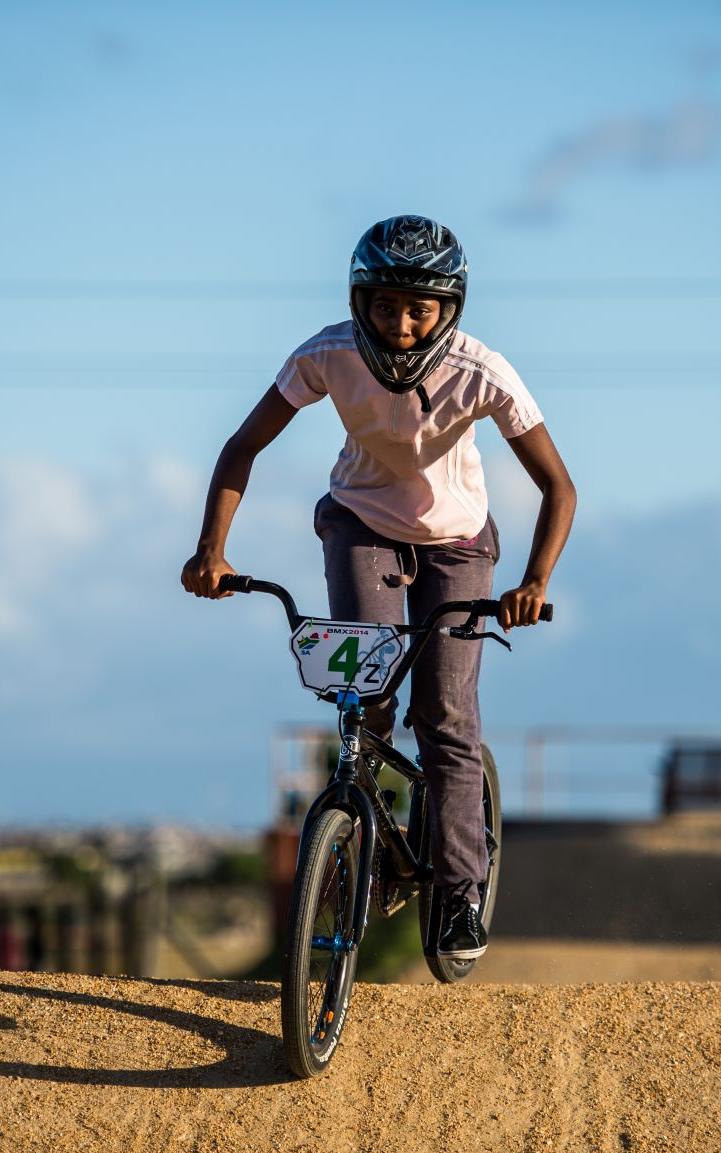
{"x": 691, "y": 776}
{"x": 147, "y": 901}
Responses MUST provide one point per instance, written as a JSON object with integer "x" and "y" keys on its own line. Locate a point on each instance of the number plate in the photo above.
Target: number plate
{"x": 344, "y": 655}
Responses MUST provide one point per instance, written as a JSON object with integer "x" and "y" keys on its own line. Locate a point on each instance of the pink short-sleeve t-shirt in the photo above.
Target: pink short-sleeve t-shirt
{"x": 411, "y": 476}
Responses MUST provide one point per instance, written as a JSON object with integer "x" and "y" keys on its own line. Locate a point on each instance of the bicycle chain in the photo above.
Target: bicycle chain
{"x": 385, "y": 891}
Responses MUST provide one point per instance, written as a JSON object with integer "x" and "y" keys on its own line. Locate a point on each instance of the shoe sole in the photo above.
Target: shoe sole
{"x": 463, "y": 954}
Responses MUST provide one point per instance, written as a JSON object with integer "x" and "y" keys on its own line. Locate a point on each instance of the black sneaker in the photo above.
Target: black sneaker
{"x": 463, "y": 937}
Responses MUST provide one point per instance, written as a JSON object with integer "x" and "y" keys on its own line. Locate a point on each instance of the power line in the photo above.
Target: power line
{"x": 625, "y": 363}
{"x": 500, "y": 289}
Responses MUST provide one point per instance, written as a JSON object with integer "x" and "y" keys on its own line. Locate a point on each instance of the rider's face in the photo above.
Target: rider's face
{"x": 401, "y": 319}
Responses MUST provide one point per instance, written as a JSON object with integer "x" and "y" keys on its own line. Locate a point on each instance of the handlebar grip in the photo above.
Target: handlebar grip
{"x": 235, "y": 584}
{"x": 546, "y": 613}
{"x": 492, "y": 609}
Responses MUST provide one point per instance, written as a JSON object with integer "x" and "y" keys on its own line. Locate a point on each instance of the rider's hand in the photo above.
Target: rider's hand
{"x": 201, "y": 574}
{"x": 521, "y": 606}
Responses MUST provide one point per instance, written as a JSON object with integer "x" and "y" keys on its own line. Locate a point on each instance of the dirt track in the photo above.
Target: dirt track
{"x": 112, "y": 1064}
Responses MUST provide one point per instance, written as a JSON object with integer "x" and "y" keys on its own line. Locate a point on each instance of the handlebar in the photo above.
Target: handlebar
{"x": 248, "y": 584}
{"x": 423, "y": 632}
{"x": 477, "y": 608}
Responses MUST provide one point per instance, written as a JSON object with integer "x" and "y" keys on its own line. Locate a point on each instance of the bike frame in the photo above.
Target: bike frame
{"x": 421, "y": 634}
{"x": 355, "y": 790}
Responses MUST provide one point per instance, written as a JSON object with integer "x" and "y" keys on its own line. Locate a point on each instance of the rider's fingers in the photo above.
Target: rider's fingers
{"x": 504, "y": 617}
{"x": 205, "y": 584}
{"x": 215, "y": 591}
{"x": 536, "y": 606}
{"x": 192, "y": 585}
{"x": 531, "y": 609}
{"x": 520, "y": 609}
{"x": 523, "y": 605}
{"x": 186, "y": 579}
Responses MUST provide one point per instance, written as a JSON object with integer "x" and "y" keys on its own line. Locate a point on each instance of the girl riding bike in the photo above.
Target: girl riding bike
{"x": 406, "y": 517}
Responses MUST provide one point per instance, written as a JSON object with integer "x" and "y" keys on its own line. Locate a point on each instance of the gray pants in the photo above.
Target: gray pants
{"x": 361, "y": 570}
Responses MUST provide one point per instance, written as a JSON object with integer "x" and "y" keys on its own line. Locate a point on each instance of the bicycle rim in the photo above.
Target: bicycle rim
{"x": 318, "y": 970}
{"x": 445, "y": 969}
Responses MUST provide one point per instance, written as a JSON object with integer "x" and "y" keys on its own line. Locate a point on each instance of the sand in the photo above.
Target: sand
{"x": 113, "y": 1064}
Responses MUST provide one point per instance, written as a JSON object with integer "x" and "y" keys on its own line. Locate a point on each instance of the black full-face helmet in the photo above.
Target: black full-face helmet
{"x": 413, "y": 254}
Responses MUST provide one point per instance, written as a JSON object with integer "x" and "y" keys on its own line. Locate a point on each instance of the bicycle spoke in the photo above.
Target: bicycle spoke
{"x": 326, "y": 962}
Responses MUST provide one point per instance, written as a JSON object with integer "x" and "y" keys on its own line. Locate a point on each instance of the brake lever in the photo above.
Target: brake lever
{"x": 494, "y": 637}
{"x": 462, "y": 633}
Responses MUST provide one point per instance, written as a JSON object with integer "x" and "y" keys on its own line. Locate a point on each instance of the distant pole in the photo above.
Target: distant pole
{"x": 98, "y": 926}
{"x": 35, "y": 951}
{"x": 281, "y": 850}
{"x": 50, "y": 931}
{"x": 66, "y": 920}
{"x": 143, "y": 917}
{"x": 10, "y": 944}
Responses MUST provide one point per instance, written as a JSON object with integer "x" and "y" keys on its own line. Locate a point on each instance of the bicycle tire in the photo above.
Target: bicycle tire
{"x": 445, "y": 969}
{"x": 317, "y": 982}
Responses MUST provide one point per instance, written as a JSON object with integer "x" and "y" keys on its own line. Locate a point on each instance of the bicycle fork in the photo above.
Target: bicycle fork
{"x": 345, "y": 793}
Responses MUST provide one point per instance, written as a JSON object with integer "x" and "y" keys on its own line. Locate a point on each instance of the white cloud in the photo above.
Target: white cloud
{"x": 685, "y": 135}
{"x": 14, "y": 621}
{"x": 176, "y": 482}
{"x": 47, "y": 514}
{"x": 43, "y": 506}
{"x": 513, "y": 497}
{"x": 89, "y": 544}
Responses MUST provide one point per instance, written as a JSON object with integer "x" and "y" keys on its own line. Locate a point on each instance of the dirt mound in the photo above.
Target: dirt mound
{"x": 111, "y": 1065}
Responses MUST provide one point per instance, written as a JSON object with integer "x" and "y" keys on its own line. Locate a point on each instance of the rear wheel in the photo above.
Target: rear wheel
{"x": 319, "y": 969}
{"x": 444, "y": 968}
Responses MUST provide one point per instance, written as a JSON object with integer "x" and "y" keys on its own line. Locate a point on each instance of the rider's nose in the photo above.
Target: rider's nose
{"x": 401, "y": 325}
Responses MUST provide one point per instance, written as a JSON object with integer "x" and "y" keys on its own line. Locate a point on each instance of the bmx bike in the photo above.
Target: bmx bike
{"x": 351, "y": 847}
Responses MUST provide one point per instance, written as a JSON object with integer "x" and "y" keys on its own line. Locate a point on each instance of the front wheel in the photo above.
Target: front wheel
{"x": 319, "y": 968}
{"x": 444, "y": 968}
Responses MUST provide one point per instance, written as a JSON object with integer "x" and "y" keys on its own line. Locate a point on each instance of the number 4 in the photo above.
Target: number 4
{"x": 345, "y": 659}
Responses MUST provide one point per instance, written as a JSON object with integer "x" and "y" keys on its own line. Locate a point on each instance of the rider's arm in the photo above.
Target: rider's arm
{"x": 270, "y": 416}
{"x": 541, "y": 460}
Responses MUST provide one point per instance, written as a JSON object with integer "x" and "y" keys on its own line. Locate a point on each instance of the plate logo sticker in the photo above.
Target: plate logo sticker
{"x": 307, "y": 643}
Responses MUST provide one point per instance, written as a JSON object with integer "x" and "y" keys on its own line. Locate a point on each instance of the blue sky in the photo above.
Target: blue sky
{"x": 181, "y": 192}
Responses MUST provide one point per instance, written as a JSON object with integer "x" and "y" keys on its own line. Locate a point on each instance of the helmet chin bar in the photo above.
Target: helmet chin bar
{"x": 423, "y": 395}
{"x": 384, "y": 363}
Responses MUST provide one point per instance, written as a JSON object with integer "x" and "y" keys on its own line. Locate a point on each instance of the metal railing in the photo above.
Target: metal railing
{"x": 560, "y": 771}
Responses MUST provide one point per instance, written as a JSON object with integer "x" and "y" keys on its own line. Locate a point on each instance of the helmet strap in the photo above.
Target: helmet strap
{"x": 425, "y": 402}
